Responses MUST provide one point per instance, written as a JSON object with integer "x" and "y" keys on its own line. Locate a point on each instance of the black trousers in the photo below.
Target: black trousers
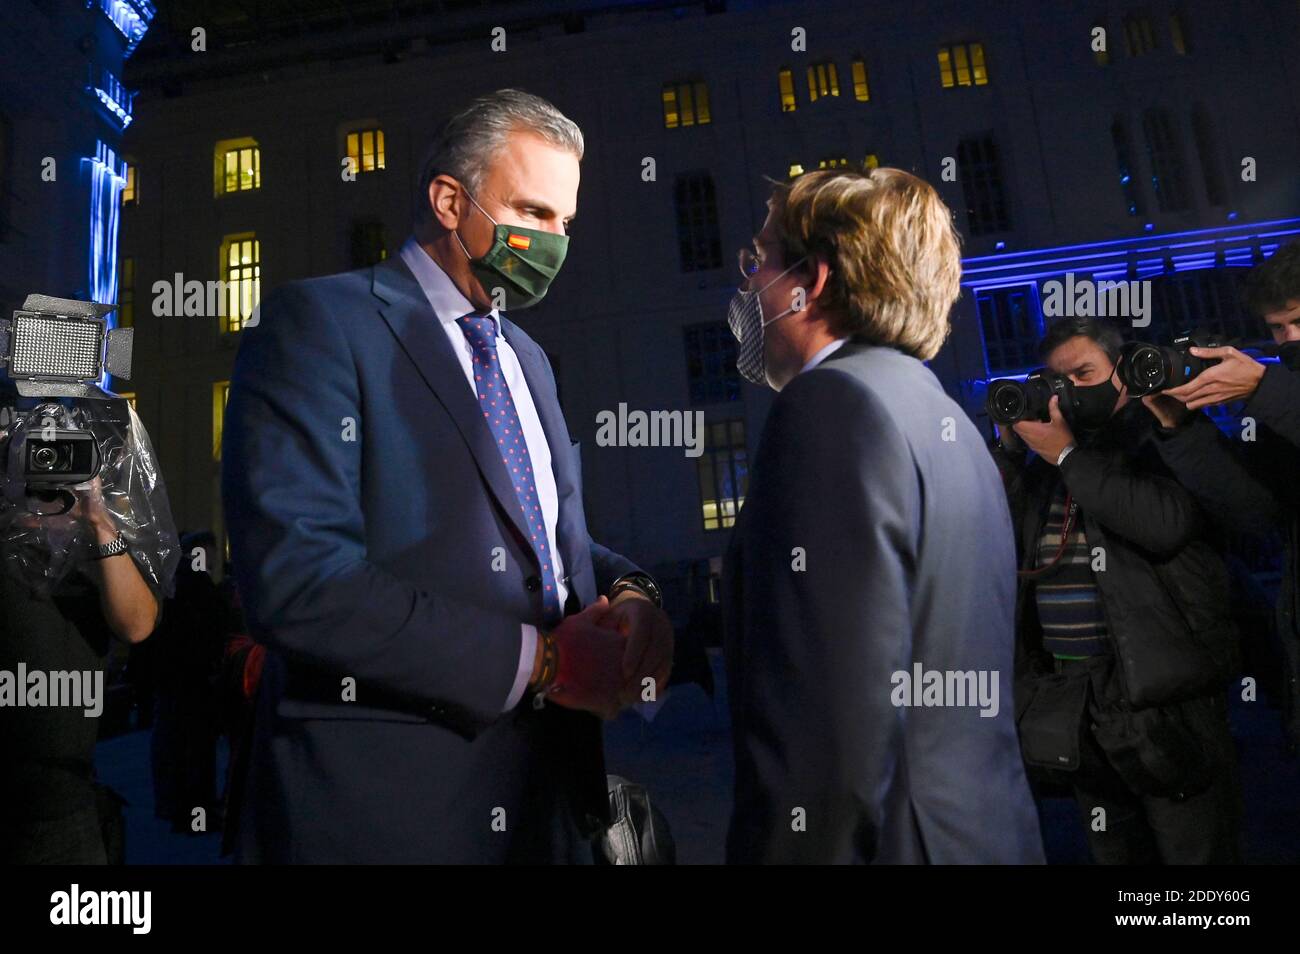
{"x": 1137, "y": 829}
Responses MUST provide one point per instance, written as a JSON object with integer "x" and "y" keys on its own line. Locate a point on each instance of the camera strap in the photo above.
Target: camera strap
{"x": 1067, "y": 525}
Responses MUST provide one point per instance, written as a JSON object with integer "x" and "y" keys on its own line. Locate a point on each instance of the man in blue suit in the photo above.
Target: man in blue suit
{"x": 869, "y": 586}
{"x": 406, "y": 523}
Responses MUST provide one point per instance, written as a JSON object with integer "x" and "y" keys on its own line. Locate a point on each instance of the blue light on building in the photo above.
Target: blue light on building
{"x": 1006, "y": 287}
{"x": 1236, "y": 243}
{"x": 131, "y": 17}
{"x": 107, "y": 179}
{"x": 117, "y": 99}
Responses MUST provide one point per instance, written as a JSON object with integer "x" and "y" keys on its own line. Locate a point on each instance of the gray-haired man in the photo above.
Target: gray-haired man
{"x": 439, "y": 561}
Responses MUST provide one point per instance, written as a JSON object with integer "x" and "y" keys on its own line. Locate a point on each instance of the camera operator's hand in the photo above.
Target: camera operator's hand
{"x": 91, "y": 508}
{"x": 1167, "y": 410}
{"x": 1235, "y": 377}
{"x": 129, "y": 606}
{"x": 1047, "y": 440}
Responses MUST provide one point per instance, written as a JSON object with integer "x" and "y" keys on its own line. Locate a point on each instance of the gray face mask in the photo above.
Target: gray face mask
{"x": 745, "y": 317}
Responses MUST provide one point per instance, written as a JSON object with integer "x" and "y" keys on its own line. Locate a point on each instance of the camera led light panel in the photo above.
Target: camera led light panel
{"x": 54, "y": 346}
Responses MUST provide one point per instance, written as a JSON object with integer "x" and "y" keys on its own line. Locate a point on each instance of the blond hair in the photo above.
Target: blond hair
{"x": 894, "y": 255}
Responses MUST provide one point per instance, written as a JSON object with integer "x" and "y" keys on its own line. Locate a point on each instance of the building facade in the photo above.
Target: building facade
{"x": 1169, "y": 151}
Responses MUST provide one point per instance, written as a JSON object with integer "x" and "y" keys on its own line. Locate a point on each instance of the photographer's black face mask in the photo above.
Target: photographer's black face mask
{"x": 1289, "y": 355}
{"x": 1094, "y": 404}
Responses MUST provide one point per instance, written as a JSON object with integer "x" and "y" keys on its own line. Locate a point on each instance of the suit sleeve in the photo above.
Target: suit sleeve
{"x": 609, "y": 566}
{"x": 1276, "y": 402}
{"x": 291, "y": 485}
{"x": 1150, "y": 510}
{"x": 828, "y": 548}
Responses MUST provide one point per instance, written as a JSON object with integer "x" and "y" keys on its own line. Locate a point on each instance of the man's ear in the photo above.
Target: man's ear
{"x": 821, "y": 271}
{"x": 445, "y": 199}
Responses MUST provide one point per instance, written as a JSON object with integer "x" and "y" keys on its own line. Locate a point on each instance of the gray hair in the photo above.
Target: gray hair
{"x": 471, "y": 139}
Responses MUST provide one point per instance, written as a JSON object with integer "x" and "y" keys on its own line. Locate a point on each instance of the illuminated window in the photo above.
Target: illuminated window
{"x": 823, "y": 81}
{"x": 699, "y": 241}
{"x": 980, "y": 172}
{"x": 368, "y": 244}
{"x": 126, "y": 294}
{"x": 129, "y": 194}
{"x": 1168, "y": 176}
{"x": 220, "y": 395}
{"x": 686, "y": 104}
{"x": 861, "y": 89}
{"x": 711, "y": 363}
{"x": 1177, "y": 33}
{"x": 796, "y": 170}
{"x": 1101, "y": 57}
{"x": 723, "y": 471}
{"x": 241, "y": 270}
{"x": 871, "y": 162}
{"x": 1139, "y": 38}
{"x": 786, "y": 81}
{"x": 702, "y": 104}
{"x": 366, "y": 149}
{"x": 962, "y": 65}
{"x": 833, "y": 163}
{"x": 237, "y": 166}
{"x": 1128, "y": 180}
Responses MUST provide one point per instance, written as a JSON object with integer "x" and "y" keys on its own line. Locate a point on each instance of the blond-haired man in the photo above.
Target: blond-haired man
{"x": 870, "y": 580}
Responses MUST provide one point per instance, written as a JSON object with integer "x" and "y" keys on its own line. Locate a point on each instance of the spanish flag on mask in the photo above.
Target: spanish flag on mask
{"x": 521, "y": 242}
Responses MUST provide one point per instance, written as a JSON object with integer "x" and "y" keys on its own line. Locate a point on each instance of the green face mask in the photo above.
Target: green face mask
{"x": 521, "y": 262}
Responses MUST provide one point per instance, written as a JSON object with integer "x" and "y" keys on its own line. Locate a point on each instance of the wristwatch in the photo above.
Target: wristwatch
{"x": 105, "y": 550}
{"x": 641, "y": 583}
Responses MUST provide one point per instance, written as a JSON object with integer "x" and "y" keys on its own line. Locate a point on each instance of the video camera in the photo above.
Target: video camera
{"x": 55, "y": 348}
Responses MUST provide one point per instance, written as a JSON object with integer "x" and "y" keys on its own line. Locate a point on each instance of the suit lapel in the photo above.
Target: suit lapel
{"x": 407, "y": 313}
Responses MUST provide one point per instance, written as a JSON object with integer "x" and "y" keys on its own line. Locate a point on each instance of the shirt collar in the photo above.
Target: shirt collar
{"x": 823, "y": 354}
{"x": 445, "y": 298}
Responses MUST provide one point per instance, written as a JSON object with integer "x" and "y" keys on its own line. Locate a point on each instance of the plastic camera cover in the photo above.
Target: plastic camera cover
{"x": 41, "y": 550}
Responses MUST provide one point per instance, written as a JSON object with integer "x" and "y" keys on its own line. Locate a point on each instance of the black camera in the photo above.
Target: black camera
{"x": 54, "y": 352}
{"x": 62, "y": 458}
{"x": 1010, "y": 401}
{"x": 1147, "y": 368}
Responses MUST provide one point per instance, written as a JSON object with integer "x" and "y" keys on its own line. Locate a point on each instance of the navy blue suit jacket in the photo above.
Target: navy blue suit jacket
{"x": 377, "y": 542}
{"x": 875, "y": 535}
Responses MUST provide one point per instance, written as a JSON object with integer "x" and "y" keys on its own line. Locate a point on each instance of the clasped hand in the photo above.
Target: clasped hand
{"x": 608, "y": 651}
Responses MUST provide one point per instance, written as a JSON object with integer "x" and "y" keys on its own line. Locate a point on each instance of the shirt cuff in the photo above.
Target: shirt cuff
{"x": 527, "y": 656}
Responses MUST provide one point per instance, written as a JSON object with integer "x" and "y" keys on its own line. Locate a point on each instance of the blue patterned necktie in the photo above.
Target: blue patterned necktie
{"x": 503, "y": 420}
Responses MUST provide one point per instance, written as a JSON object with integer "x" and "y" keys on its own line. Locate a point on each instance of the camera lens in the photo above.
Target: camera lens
{"x": 1007, "y": 402}
{"x": 1148, "y": 368}
{"x": 44, "y": 458}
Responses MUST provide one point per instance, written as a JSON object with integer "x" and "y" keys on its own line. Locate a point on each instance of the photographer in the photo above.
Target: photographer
{"x": 1264, "y": 497}
{"x": 70, "y": 582}
{"x": 1124, "y": 637}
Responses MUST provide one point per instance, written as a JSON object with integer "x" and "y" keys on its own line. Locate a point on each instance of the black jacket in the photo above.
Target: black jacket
{"x": 1255, "y": 488}
{"x": 1164, "y": 589}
